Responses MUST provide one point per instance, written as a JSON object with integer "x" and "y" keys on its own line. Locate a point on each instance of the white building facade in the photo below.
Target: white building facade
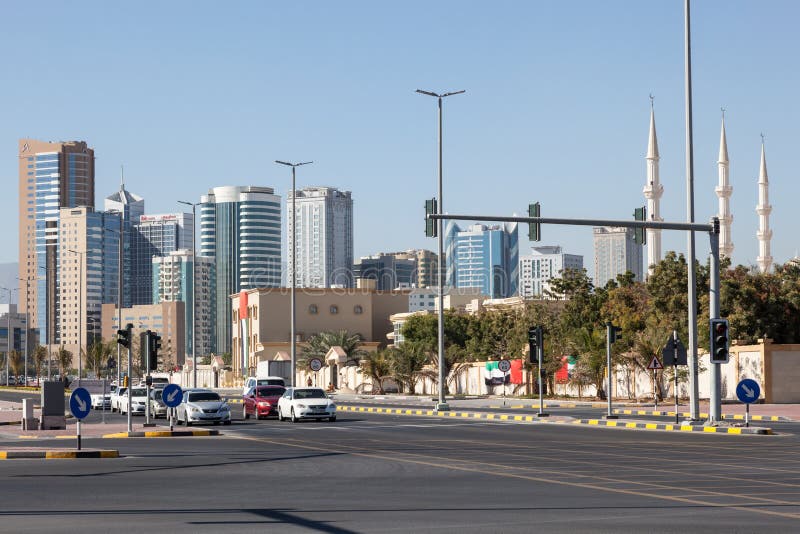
{"x": 615, "y": 253}
{"x": 322, "y": 238}
{"x": 543, "y": 264}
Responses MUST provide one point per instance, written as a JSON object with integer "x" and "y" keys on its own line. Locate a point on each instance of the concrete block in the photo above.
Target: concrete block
{"x": 53, "y": 422}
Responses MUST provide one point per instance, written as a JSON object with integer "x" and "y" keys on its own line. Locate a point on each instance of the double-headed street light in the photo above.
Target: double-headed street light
{"x": 442, "y": 405}
{"x": 293, "y": 342}
{"x": 194, "y": 290}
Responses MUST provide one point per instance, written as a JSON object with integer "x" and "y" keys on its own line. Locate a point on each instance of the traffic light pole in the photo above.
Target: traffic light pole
{"x": 147, "y": 380}
{"x": 715, "y": 403}
{"x": 609, "y": 340}
{"x": 130, "y": 385}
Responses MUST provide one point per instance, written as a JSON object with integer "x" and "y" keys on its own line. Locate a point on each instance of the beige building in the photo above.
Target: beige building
{"x": 167, "y": 319}
{"x": 358, "y": 311}
{"x": 51, "y": 176}
{"x": 427, "y": 263}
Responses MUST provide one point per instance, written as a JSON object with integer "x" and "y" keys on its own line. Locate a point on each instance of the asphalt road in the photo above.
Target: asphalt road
{"x": 380, "y": 473}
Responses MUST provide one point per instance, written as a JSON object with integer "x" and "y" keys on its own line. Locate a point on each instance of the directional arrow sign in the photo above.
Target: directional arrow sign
{"x": 171, "y": 395}
{"x": 80, "y": 403}
{"x": 655, "y": 364}
{"x": 748, "y": 390}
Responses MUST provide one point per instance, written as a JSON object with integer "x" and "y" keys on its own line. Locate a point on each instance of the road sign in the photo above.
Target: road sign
{"x": 748, "y": 390}
{"x": 171, "y": 395}
{"x": 668, "y": 354}
{"x": 80, "y": 403}
{"x": 655, "y": 364}
{"x": 504, "y": 366}
{"x": 315, "y": 364}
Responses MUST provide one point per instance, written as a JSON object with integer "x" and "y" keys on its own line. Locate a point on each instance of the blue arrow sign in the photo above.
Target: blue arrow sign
{"x": 172, "y": 395}
{"x": 80, "y": 403}
{"x": 748, "y": 390}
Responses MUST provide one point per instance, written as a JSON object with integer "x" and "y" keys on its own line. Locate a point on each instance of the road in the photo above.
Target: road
{"x": 381, "y": 473}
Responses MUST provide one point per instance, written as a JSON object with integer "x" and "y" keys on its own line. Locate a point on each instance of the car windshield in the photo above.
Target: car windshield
{"x": 270, "y": 391}
{"x": 156, "y": 394}
{"x": 270, "y": 382}
{"x": 309, "y": 394}
{"x": 139, "y": 392}
{"x": 203, "y": 396}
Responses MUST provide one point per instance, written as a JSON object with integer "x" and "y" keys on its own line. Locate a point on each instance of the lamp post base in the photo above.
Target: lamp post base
{"x": 442, "y": 407}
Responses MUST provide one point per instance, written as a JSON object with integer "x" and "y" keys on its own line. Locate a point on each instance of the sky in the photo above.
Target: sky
{"x": 193, "y": 95}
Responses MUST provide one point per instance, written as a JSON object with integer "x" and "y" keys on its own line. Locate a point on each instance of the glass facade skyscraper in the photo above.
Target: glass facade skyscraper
{"x": 240, "y": 227}
{"x": 155, "y": 235}
{"x": 486, "y": 257}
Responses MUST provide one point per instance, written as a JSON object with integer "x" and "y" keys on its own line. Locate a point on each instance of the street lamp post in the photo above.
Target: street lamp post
{"x": 194, "y": 291}
{"x": 27, "y": 304}
{"x": 292, "y": 335}
{"x": 80, "y": 310}
{"x": 442, "y": 405}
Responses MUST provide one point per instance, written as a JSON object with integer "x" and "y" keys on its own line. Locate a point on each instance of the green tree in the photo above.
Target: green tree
{"x": 39, "y": 359}
{"x": 15, "y": 362}
{"x": 97, "y": 355}
{"x": 64, "y": 361}
{"x": 376, "y": 366}
{"x": 408, "y": 364}
{"x": 319, "y": 345}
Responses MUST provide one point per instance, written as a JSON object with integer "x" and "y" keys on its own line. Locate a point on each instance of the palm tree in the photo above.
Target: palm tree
{"x": 39, "y": 357}
{"x": 97, "y": 355}
{"x": 15, "y": 362}
{"x": 64, "y": 361}
{"x": 408, "y": 362}
{"x": 377, "y": 366}
{"x": 319, "y": 345}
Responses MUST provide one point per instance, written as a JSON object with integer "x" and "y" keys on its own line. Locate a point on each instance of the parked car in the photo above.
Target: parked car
{"x": 306, "y": 403}
{"x": 101, "y": 401}
{"x": 157, "y": 406}
{"x": 253, "y": 381}
{"x": 116, "y": 399}
{"x": 202, "y": 406}
{"x": 138, "y": 401}
{"x": 262, "y": 401}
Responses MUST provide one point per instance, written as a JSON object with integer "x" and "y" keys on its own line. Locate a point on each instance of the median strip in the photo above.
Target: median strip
{"x": 735, "y": 417}
{"x": 56, "y": 454}
{"x": 162, "y": 434}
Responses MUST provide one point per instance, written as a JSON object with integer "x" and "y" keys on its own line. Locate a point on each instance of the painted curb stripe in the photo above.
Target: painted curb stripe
{"x": 590, "y": 422}
{"x": 739, "y": 417}
{"x": 163, "y": 434}
{"x": 57, "y": 455}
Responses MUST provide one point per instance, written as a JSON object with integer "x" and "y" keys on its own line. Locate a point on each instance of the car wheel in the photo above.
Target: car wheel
{"x": 294, "y": 417}
{"x": 332, "y": 419}
{"x": 280, "y": 415}
{"x": 246, "y": 415}
{"x": 188, "y": 423}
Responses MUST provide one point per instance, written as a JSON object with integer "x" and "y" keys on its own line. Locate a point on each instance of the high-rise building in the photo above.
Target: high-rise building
{"x": 155, "y": 235}
{"x": 542, "y": 265}
{"x": 483, "y": 256}
{"x": 167, "y": 319}
{"x": 51, "y": 176}
{"x": 131, "y": 207}
{"x": 615, "y": 253}
{"x": 387, "y": 270}
{"x": 88, "y": 274}
{"x": 323, "y": 239}
{"x": 240, "y": 227}
{"x": 427, "y": 265}
{"x": 172, "y": 281}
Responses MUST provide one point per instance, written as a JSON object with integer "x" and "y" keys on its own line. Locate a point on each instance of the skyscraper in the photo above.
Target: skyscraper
{"x": 483, "y": 256}
{"x": 51, "y": 176}
{"x": 323, "y": 237}
{"x": 172, "y": 281}
{"x": 130, "y": 206}
{"x": 240, "y": 227}
{"x": 387, "y": 270}
{"x": 155, "y": 235}
{"x": 542, "y": 265}
{"x": 615, "y": 253}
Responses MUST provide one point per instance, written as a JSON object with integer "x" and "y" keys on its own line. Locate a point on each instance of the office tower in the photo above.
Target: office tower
{"x": 155, "y": 235}
{"x": 388, "y": 271}
{"x": 427, "y": 264}
{"x": 240, "y": 228}
{"x": 88, "y": 274}
{"x": 172, "y": 281}
{"x": 51, "y": 176}
{"x": 131, "y": 207}
{"x": 483, "y": 256}
{"x": 323, "y": 237}
{"x": 543, "y": 264}
{"x": 615, "y": 253}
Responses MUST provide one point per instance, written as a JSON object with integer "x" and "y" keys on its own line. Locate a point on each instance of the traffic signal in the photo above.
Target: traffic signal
{"x": 144, "y": 347}
{"x": 431, "y": 208}
{"x": 719, "y": 341}
{"x": 639, "y": 235}
{"x": 125, "y": 382}
{"x": 155, "y": 346}
{"x": 534, "y": 228}
{"x": 616, "y": 333}
{"x": 534, "y": 342}
{"x": 124, "y": 336}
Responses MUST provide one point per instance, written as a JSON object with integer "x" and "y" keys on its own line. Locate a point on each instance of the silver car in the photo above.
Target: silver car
{"x": 203, "y": 406}
{"x": 157, "y": 406}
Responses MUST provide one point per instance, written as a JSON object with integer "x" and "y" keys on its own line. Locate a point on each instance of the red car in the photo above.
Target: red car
{"x": 262, "y": 401}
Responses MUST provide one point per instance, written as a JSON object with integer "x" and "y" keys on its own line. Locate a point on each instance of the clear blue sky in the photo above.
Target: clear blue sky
{"x": 191, "y": 95}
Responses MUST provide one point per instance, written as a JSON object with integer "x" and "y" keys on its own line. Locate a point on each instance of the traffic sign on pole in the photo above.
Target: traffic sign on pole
{"x": 748, "y": 390}
{"x": 80, "y": 403}
{"x": 171, "y": 395}
{"x": 315, "y": 364}
{"x": 504, "y": 366}
{"x": 655, "y": 364}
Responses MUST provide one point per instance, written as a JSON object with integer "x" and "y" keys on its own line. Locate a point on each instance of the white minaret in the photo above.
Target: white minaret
{"x": 724, "y": 191}
{"x": 652, "y": 192}
{"x": 763, "y": 209}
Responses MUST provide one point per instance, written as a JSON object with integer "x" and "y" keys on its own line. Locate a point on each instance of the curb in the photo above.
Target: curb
{"x": 163, "y": 434}
{"x": 7, "y": 423}
{"x": 58, "y": 454}
{"x": 674, "y": 428}
{"x": 534, "y": 418}
{"x": 735, "y": 417}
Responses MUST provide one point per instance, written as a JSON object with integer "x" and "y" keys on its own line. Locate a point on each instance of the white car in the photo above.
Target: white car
{"x": 306, "y": 403}
{"x": 138, "y": 401}
{"x": 100, "y": 401}
{"x": 202, "y": 406}
{"x": 116, "y": 396}
{"x": 253, "y": 381}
